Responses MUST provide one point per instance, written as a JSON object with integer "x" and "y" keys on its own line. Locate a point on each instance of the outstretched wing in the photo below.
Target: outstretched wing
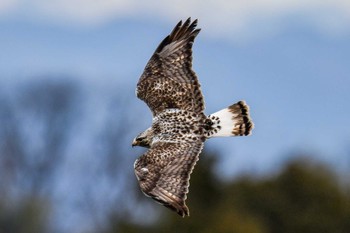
{"x": 168, "y": 80}
{"x": 164, "y": 172}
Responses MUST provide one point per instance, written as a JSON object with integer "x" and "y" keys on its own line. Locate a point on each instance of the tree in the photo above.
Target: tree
{"x": 303, "y": 197}
{"x": 41, "y": 122}
{"x": 34, "y": 134}
{"x": 42, "y": 125}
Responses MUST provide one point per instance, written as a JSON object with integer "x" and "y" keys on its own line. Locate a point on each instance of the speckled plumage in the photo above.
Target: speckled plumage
{"x": 171, "y": 90}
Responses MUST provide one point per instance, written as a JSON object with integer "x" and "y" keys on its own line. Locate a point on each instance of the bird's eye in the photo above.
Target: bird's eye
{"x": 140, "y": 139}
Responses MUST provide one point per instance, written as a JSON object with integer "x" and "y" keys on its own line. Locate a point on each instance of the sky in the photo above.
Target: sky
{"x": 288, "y": 59}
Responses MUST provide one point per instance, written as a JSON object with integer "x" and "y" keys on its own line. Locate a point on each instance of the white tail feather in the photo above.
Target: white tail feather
{"x": 231, "y": 121}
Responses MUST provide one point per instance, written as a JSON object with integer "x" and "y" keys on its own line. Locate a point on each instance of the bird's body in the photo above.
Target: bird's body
{"x": 179, "y": 128}
{"x": 176, "y": 125}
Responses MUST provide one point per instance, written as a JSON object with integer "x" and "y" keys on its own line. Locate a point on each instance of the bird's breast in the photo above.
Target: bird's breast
{"x": 178, "y": 124}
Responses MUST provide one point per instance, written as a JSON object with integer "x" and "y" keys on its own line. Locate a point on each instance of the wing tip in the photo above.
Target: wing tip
{"x": 180, "y": 208}
{"x": 186, "y": 31}
{"x": 184, "y": 211}
{"x": 174, "y": 203}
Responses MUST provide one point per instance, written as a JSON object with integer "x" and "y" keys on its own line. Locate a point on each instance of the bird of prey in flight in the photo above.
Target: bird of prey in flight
{"x": 180, "y": 127}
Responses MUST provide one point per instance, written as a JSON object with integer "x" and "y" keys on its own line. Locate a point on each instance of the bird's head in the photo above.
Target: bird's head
{"x": 143, "y": 139}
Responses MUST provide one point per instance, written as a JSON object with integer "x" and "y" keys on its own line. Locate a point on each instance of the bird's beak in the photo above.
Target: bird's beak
{"x": 134, "y": 143}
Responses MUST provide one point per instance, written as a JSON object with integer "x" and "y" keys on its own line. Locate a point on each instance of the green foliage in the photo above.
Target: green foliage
{"x": 39, "y": 128}
{"x": 303, "y": 197}
{"x": 27, "y": 216}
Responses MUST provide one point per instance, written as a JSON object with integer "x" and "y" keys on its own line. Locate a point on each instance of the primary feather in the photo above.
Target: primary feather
{"x": 171, "y": 90}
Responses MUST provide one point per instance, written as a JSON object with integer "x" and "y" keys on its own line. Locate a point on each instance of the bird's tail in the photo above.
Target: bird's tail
{"x": 231, "y": 121}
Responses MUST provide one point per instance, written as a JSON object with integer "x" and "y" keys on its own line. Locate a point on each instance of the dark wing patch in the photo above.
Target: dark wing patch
{"x": 164, "y": 172}
{"x": 168, "y": 80}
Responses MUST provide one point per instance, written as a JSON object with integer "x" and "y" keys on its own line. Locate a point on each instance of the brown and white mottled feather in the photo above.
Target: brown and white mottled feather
{"x": 168, "y": 80}
{"x": 171, "y": 89}
{"x": 164, "y": 172}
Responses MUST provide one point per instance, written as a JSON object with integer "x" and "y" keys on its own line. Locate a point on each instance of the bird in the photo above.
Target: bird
{"x": 170, "y": 88}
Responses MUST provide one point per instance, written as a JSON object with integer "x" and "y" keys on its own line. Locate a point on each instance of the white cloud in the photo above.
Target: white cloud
{"x": 235, "y": 19}
{"x": 6, "y": 6}
{"x": 84, "y": 12}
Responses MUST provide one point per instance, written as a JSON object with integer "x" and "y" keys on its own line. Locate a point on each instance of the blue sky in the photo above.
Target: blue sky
{"x": 289, "y": 60}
